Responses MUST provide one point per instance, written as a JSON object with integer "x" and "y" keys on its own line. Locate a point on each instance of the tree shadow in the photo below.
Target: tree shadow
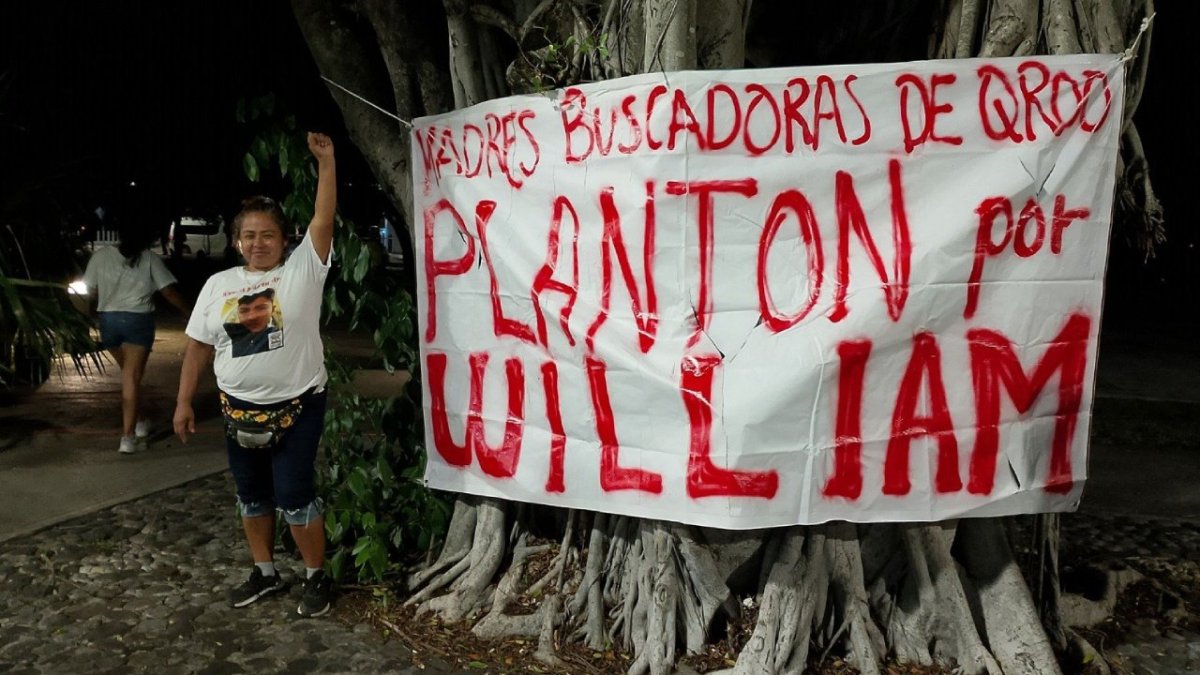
{"x": 20, "y": 430}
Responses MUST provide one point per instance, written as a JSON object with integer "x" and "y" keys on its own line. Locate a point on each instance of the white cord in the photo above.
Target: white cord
{"x": 385, "y": 112}
{"x": 1128, "y": 54}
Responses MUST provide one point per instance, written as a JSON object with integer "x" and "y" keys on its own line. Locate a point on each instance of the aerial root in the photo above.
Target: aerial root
{"x": 1010, "y": 623}
{"x": 946, "y": 593}
{"x": 457, "y": 545}
{"x": 793, "y": 597}
{"x": 469, "y": 587}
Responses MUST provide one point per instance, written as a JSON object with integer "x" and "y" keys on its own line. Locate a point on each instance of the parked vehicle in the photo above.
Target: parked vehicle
{"x": 199, "y": 237}
{"x": 390, "y": 238}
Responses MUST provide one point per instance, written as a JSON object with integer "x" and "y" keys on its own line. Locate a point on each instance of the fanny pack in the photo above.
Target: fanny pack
{"x": 259, "y": 427}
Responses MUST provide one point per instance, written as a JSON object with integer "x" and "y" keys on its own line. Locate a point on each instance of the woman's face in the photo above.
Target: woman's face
{"x": 260, "y": 241}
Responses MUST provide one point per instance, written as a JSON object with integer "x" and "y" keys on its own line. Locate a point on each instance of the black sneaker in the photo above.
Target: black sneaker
{"x": 257, "y": 586}
{"x": 317, "y": 596}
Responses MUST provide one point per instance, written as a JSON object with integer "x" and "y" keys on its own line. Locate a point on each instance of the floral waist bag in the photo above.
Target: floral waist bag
{"x": 259, "y": 427}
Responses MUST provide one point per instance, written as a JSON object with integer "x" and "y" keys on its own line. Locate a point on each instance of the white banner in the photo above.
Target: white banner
{"x": 755, "y": 298}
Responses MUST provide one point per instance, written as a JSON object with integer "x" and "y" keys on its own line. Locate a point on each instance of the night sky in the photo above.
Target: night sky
{"x": 101, "y": 94}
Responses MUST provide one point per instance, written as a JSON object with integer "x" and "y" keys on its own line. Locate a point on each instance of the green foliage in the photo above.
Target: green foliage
{"x": 38, "y": 322}
{"x": 580, "y": 57}
{"x": 377, "y": 508}
{"x": 38, "y": 325}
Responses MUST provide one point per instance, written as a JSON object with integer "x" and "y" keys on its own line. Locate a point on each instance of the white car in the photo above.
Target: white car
{"x": 199, "y": 237}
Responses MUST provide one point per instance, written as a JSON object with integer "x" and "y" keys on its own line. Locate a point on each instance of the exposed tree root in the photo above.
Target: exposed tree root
{"x": 657, "y": 587}
{"x": 1136, "y": 194}
{"x": 456, "y": 546}
{"x": 864, "y": 643}
{"x": 546, "y": 646}
{"x": 468, "y": 589}
{"x": 589, "y": 597}
{"x": 1082, "y": 612}
{"x": 793, "y": 598}
{"x": 702, "y": 580}
{"x": 944, "y": 593}
{"x": 1009, "y": 618}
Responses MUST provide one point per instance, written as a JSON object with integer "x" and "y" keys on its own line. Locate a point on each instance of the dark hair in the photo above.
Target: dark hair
{"x": 259, "y": 204}
{"x": 134, "y": 240}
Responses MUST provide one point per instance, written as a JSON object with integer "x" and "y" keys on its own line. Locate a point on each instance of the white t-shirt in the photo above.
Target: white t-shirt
{"x": 123, "y": 288}
{"x": 265, "y": 327}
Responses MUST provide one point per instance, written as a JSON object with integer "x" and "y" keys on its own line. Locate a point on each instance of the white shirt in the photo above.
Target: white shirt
{"x": 265, "y": 327}
{"x": 123, "y": 288}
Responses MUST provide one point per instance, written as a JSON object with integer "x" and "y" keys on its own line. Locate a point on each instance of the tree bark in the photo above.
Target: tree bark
{"x": 721, "y": 30}
{"x": 670, "y": 35}
{"x": 1011, "y": 29}
{"x": 1062, "y": 37}
{"x": 342, "y": 55}
{"x": 466, "y": 69}
{"x": 629, "y": 35}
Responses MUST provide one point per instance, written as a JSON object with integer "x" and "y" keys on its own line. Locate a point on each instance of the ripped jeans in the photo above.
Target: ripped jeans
{"x": 281, "y": 476}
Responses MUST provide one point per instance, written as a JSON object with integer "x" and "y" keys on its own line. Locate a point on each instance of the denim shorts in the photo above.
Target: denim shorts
{"x": 126, "y": 328}
{"x": 280, "y": 475}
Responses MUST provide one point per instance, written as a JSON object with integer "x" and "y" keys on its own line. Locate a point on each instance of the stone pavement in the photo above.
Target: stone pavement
{"x": 141, "y": 587}
{"x": 1107, "y": 539}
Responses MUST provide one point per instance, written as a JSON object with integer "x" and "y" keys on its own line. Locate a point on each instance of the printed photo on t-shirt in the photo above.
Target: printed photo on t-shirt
{"x": 253, "y": 322}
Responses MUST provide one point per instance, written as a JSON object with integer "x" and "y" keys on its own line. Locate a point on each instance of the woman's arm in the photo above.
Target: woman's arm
{"x": 173, "y": 296}
{"x": 320, "y": 230}
{"x": 195, "y": 358}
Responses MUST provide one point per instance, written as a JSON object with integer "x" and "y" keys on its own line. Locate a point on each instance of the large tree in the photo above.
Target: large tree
{"x": 948, "y": 592}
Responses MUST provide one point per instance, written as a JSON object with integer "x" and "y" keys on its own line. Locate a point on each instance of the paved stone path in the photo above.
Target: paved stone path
{"x": 141, "y": 587}
{"x": 1109, "y": 537}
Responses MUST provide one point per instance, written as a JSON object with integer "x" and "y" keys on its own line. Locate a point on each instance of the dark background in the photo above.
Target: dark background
{"x": 1163, "y": 294}
{"x": 100, "y": 95}
{"x": 95, "y": 96}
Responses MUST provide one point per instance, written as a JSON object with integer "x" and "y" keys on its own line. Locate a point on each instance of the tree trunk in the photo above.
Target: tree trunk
{"x": 948, "y": 593}
{"x": 721, "y": 31}
{"x": 670, "y": 35}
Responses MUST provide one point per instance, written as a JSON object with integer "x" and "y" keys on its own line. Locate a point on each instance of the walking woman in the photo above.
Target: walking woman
{"x": 261, "y": 324}
{"x": 125, "y": 279}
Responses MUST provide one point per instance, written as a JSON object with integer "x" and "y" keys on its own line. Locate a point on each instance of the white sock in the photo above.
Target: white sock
{"x": 310, "y": 571}
{"x": 267, "y": 568}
